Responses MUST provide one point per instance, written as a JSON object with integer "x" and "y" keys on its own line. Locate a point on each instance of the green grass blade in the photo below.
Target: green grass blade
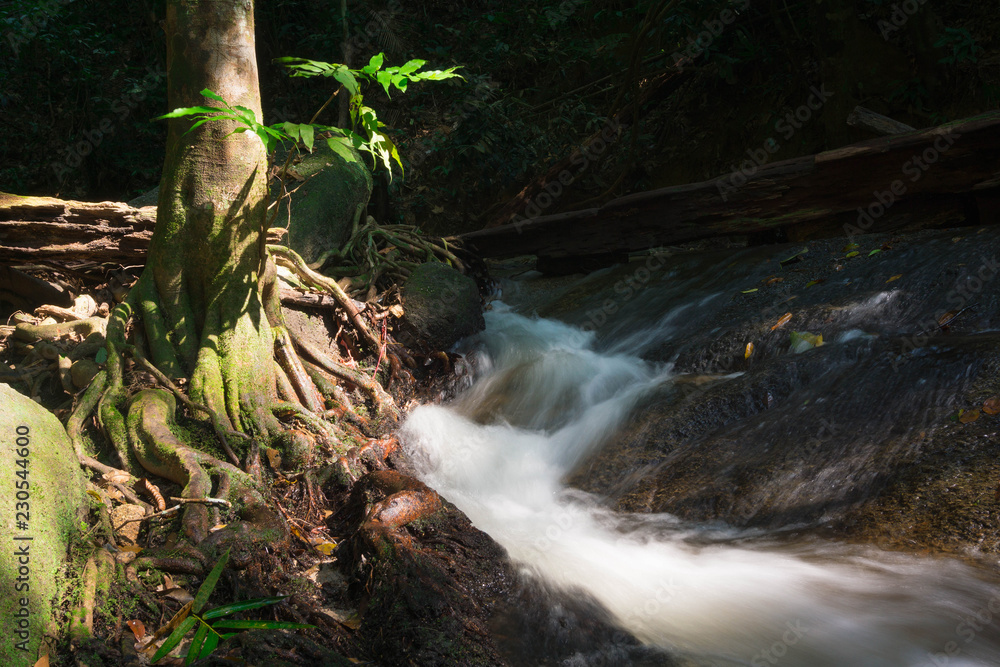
{"x": 201, "y": 599}
{"x": 233, "y": 624}
{"x": 199, "y": 639}
{"x": 246, "y": 605}
{"x": 175, "y": 638}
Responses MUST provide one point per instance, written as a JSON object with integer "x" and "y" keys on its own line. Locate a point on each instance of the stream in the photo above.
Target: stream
{"x": 711, "y": 539}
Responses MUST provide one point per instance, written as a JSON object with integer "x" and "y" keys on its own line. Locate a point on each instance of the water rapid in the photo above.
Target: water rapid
{"x": 546, "y": 396}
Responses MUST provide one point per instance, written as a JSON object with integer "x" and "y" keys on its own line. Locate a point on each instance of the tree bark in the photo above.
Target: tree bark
{"x": 207, "y": 253}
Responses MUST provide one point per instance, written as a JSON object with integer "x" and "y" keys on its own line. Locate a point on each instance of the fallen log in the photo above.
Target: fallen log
{"x": 938, "y": 176}
{"x": 46, "y": 228}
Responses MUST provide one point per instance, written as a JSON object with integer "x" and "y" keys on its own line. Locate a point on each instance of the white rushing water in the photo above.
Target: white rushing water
{"x": 544, "y": 399}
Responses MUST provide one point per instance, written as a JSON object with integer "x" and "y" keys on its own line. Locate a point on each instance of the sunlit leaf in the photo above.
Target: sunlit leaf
{"x": 749, "y": 351}
{"x": 137, "y": 628}
{"x": 212, "y": 96}
{"x": 782, "y": 321}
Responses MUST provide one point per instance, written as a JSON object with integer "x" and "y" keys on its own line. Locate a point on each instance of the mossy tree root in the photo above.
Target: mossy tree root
{"x": 159, "y": 450}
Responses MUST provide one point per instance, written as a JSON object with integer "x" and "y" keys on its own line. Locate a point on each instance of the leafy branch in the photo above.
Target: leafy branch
{"x": 208, "y": 636}
{"x": 340, "y": 140}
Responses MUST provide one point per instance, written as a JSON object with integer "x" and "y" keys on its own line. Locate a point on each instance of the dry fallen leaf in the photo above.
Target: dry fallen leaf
{"x": 969, "y": 416}
{"x": 116, "y": 477}
{"x": 326, "y": 548}
{"x": 992, "y": 405}
{"x": 137, "y": 628}
{"x": 43, "y": 661}
{"x": 784, "y": 320}
{"x": 749, "y": 351}
{"x": 396, "y": 310}
{"x": 770, "y": 280}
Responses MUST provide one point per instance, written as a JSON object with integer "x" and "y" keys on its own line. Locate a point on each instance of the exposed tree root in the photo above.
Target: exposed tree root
{"x": 383, "y": 401}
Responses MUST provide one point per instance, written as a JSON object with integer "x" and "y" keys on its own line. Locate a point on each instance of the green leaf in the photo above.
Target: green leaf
{"x": 209, "y": 585}
{"x": 211, "y": 643}
{"x": 102, "y": 356}
{"x": 307, "y": 136}
{"x": 375, "y": 63}
{"x": 339, "y": 146}
{"x": 199, "y": 639}
{"x": 246, "y": 605}
{"x": 346, "y": 79}
{"x": 213, "y": 96}
{"x": 175, "y": 638}
{"x": 412, "y": 66}
{"x": 188, "y": 111}
{"x": 384, "y": 78}
{"x": 875, "y": 251}
{"x": 260, "y": 625}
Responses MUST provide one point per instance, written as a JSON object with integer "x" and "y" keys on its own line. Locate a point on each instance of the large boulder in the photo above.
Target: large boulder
{"x": 326, "y": 205}
{"x": 440, "y": 306}
{"x": 43, "y": 498}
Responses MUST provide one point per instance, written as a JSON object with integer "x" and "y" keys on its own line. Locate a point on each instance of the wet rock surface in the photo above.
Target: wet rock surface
{"x": 437, "y": 591}
{"x": 440, "y": 306}
{"x": 860, "y": 436}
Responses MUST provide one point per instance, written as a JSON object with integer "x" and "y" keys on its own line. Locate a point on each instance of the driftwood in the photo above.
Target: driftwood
{"x": 870, "y": 120}
{"x": 50, "y": 230}
{"x": 45, "y": 228}
{"x": 943, "y": 175}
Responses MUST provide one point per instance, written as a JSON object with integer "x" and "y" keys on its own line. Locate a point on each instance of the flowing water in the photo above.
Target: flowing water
{"x": 545, "y": 396}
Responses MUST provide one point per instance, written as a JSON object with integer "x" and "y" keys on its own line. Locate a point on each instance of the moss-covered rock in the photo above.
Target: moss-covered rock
{"x": 441, "y": 305}
{"x": 327, "y": 204}
{"x": 43, "y": 497}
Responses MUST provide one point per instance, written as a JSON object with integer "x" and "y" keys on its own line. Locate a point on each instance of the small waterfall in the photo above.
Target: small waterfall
{"x": 545, "y": 397}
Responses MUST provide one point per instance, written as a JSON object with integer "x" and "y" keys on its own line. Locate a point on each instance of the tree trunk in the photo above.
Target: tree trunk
{"x": 206, "y": 254}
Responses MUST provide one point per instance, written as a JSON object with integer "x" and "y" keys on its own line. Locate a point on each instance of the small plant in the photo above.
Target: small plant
{"x": 363, "y": 118}
{"x": 962, "y": 44}
{"x": 212, "y": 626}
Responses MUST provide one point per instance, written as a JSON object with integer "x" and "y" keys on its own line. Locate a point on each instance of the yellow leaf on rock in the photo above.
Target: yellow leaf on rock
{"x": 784, "y": 320}
{"x": 749, "y": 351}
{"x": 969, "y": 416}
{"x": 326, "y": 548}
{"x": 895, "y": 277}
